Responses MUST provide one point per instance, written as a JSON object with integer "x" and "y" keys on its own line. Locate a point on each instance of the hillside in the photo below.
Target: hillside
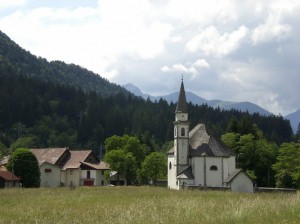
{"x": 15, "y": 60}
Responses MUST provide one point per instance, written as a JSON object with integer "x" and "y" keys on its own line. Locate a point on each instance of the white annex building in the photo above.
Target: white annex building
{"x": 200, "y": 160}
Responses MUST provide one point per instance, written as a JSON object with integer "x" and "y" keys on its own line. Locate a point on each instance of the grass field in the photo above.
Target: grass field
{"x": 145, "y": 205}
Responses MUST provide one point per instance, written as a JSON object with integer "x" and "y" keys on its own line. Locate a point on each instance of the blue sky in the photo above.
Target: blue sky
{"x": 230, "y": 50}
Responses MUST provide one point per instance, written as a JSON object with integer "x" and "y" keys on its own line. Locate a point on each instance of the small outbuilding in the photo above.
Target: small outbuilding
{"x": 239, "y": 181}
{"x": 8, "y": 180}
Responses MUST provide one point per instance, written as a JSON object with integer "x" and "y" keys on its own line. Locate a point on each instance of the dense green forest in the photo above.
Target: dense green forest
{"x": 59, "y": 115}
{"x": 52, "y": 104}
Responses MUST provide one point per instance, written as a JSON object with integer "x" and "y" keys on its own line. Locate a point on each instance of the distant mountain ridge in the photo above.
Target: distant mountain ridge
{"x": 294, "y": 118}
{"x": 191, "y": 97}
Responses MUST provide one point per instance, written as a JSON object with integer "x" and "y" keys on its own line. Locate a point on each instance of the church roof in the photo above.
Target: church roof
{"x": 201, "y": 143}
{"x": 186, "y": 174}
{"x": 181, "y": 103}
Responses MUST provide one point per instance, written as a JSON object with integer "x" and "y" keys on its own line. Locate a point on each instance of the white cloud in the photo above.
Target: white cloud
{"x": 231, "y": 50}
{"x": 201, "y": 63}
{"x": 188, "y": 68}
{"x": 211, "y": 42}
{"x": 10, "y": 3}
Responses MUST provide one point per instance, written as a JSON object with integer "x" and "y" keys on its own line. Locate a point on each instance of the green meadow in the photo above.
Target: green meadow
{"x": 145, "y": 205}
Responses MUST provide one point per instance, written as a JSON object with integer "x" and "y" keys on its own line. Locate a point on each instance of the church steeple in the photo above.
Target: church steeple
{"x": 181, "y": 103}
{"x": 181, "y": 132}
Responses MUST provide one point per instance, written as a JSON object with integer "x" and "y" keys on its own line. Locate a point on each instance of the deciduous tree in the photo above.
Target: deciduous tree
{"x": 24, "y": 164}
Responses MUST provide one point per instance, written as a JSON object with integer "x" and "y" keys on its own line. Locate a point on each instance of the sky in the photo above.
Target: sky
{"x": 228, "y": 50}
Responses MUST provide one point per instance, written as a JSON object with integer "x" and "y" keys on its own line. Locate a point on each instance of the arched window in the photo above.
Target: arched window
{"x": 170, "y": 165}
{"x": 213, "y": 168}
{"x": 175, "y": 131}
{"x": 182, "y": 132}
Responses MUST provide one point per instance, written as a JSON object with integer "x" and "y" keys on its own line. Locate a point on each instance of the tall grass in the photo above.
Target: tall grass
{"x": 145, "y": 205}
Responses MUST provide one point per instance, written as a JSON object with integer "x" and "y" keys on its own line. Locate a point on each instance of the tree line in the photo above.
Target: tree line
{"x": 44, "y": 114}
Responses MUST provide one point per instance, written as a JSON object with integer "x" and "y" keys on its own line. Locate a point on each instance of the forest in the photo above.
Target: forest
{"x": 52, "y": 104}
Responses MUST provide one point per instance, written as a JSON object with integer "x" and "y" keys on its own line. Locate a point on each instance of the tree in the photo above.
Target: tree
{"x": 24, "y": 164}
{"x": 115, "y": 142}
{"x": 134, "y": 146}
{"x": 116, "y": 160}
{"x": 254, "y": 154}
{"x": 154, "y": 166}
{"x": 287, "y": 165}
{"x": 130, "y": 168}
{"x": 25, "y": 142}
{"x": 231, "y": 140}
{"x": 3, "y": 150}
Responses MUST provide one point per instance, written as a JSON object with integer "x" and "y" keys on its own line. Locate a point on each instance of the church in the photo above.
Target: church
{"x": 199, "y": 160}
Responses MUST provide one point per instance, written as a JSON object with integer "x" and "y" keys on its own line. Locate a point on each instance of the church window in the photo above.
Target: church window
{"x": 170, "y": 165}
{"x": 213, "y": 168}
{"x": 175, "y": 131}
{"x": 182, "y": 132}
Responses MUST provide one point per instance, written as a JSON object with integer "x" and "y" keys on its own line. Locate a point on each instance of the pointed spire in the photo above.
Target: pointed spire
{"x": 181, "y": 103}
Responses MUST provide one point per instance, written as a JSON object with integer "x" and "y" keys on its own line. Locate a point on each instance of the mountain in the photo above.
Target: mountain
{"x": 294, "y": 119}
{"x": 16, "y": 60}
{"x": 191, "y": 97}
{"x": 241, "y": 106}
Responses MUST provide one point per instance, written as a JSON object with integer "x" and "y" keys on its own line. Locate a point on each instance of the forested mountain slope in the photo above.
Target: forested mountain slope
{"x": 15, "y": 60}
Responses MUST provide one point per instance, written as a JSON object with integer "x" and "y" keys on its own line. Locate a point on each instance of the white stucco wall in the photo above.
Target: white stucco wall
{"x": 52, "y": 178}
{"x": 198, "y": 170}
{"x": 100, "y": 179}
{"x": 71, "y": 176}
{"x": 172, "y": 173}
{"x": 214, "y": 177}
{"x": 242, "y": 183}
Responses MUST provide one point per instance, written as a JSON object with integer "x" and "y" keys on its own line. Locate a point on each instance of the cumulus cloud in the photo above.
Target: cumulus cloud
{"x": 188, "y": 68}
{"x": 211, "y": 42}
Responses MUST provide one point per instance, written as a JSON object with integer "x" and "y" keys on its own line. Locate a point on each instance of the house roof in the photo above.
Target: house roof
{"x": 236, "y": 172}
{"x": 49, "y": 155}
{"x": 186, "y": 174}
{"x": 7, "y": 175}
{"x": 201, "y": 143}
{"x": 99, "y": 166}
{"x": 181, "y": 103}
{"x": 77, "y": 157}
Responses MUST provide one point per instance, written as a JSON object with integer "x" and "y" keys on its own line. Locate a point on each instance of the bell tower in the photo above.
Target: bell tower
{"x": 181, "y": 132}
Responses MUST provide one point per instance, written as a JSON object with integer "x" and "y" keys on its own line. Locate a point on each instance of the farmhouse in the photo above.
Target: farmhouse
{"x": 198, "y": 159}
{"x": 61, "y": 166}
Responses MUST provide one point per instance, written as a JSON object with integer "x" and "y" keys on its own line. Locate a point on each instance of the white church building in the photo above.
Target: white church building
{"x": 200, "y": 160}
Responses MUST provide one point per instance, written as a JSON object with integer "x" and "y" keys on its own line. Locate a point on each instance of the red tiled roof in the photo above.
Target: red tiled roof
{"x": 76, "y": 158}
{"x": 50, "y": 155}
{"x": 98, "y": 166}
{"x": 7, "y": 175}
